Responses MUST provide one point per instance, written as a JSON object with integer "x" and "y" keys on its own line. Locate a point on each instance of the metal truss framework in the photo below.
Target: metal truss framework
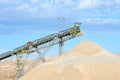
{"x": 40, "y": 44}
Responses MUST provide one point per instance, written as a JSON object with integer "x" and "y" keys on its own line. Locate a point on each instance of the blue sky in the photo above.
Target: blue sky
{"x": 22, "y": 20}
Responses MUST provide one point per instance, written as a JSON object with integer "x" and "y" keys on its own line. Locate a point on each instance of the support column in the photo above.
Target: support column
{"x": 60, "y": 46}
{"x": 40, "y": 56}
{"x": 19, "y": 66}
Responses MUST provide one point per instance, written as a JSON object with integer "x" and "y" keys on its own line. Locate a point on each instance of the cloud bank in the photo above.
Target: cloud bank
{"x": 22, "y": 15}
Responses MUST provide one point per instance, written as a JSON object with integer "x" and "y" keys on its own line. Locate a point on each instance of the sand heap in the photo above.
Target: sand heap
{"x": 86, "y": 61}
{"x": 118, "y": 55}
{"x": 86, "y": 48}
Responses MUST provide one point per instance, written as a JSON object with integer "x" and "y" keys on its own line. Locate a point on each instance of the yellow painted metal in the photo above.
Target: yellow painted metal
{"x": 72, "y": 31}
{"x": 22, "y": 51}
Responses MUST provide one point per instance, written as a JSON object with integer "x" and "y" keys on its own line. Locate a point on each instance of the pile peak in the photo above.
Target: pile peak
{"x": 86, "y": 47}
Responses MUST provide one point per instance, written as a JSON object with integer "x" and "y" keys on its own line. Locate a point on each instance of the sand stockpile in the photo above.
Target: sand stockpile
{"x": 118, "y": 55}
{"x": 86, "y": 61}
{"x": 86, "y": 48}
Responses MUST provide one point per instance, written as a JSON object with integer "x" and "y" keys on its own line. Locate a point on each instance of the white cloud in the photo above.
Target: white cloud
{"x": 53, "y": 8}
{"x": 33, "y": 9}
{"x": 47, "y": 5}
{"x": 34, "y": 1}
{"x": 116, "y": 12}
{"x": 4, "y": 1}
{"x": 88, "y": 4}
{"x": 118, "y": 2}
{"x": 107, "y": 3}
{"x": 56, "y": 8}
{"x": 69, "y": 2}
{"x": 101, "y": 21}
{"x": 111, "y": 20}
{"x": 56, "y": 1}
{"x": 23, "y": 6}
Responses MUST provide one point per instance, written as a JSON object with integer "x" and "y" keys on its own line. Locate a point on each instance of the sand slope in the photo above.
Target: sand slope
{"x": 86, "y": 61}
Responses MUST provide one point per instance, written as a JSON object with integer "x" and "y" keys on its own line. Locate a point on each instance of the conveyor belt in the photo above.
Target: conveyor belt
{"x": 74, "y": 31}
